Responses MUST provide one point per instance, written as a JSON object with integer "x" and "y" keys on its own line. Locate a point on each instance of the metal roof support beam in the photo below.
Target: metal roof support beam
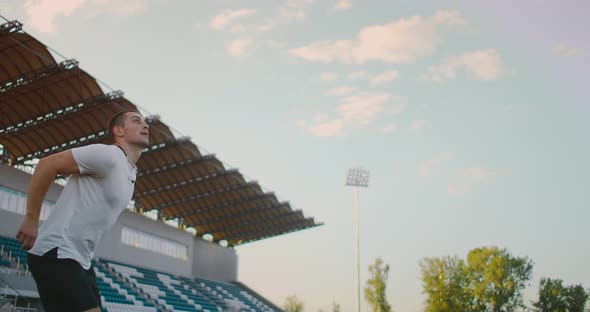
{"x": 203, "y": 196}
{"x": 89, "y": 139}
{"x": 176, "y": 165}
{"x": 223, "y": 206}
{"x": 37, "y": 74}
{"x": 10, "y": 27}
{"x": 268, "y": 231}
{"x": 164, "y": 145}
{"x": 174, "y": 186}
{"x": 255, "y": 210}
{"x": 254, "y": 222}
{"x": 61, "y": 113}
{"x": 254, "y": 236}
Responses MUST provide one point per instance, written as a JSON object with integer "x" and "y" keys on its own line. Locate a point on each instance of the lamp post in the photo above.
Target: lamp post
{"x": 357, "y": 177}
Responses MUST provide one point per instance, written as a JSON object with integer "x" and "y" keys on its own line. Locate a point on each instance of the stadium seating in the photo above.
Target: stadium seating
{"x": 13, "y": 254}
{"x": 172, "y": 292}
{"x": 233, "y": 293}
{"x": 116, "y": 296}
{"x": 164, "y": 288}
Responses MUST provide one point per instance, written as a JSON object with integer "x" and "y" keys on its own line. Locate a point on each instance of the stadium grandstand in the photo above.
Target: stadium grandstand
{"x": 173, "y": 249}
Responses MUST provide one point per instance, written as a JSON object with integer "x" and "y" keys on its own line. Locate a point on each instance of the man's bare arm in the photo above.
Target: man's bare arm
{"x": 47, "y": 169}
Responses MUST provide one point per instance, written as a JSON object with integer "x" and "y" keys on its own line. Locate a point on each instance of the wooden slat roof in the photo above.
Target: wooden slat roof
{"x": 47, "y": 107}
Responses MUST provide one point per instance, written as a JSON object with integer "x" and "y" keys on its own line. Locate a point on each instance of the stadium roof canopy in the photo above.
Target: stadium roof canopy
{"x": 48, "y": 106}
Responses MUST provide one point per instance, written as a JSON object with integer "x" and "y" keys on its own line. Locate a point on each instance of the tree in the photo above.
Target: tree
{"x": 491, "y": 280}
{"x": 375, "y": 288}
{"x": 555, "y": 297}
{"x": 292, "y": 304}
{"x": 497, "y": 279}
{"x": 445, "y": 282}
{"x": 335, "y": 307}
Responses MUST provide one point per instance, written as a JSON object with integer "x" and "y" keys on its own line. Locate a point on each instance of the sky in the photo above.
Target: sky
{"x": 471, "y": 116}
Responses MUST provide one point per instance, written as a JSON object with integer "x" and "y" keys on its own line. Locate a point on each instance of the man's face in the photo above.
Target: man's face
{"x": 136, "y": 130}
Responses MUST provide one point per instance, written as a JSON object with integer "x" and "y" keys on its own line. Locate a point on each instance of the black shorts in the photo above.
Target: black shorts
{"x": 63, "y": 284}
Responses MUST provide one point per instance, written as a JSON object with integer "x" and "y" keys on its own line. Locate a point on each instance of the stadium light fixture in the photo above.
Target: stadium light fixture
{"x": 357, "y": 177}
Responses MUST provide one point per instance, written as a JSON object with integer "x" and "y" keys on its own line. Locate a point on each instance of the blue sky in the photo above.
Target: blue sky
{"x": 471, "y": 116}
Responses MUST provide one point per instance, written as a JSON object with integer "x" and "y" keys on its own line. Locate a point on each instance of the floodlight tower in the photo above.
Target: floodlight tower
{"x": 357, "y": 177}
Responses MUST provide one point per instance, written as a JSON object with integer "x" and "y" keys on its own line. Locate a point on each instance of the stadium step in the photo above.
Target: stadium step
{"x": 128, "y": 285}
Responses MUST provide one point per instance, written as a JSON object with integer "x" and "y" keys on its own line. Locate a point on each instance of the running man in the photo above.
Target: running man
{"x": 99, "y": 189}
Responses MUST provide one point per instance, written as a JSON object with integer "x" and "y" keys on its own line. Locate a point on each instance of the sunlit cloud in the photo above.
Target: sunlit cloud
{"x": 389, "y": 128}
{"x": 329, "y": 76}
{"x": 477, "y": 173}
{"x": 42, "y": 14}
{"x": 564, "y": 50}
{"x": 427, "y": 167}
{"x": 340, "y": 91}
{"x": 384, "y": 77}
{"x": 358, "y": 75}
{"x": 418, "y": 124}
{"x": 241, "y": 47}
{"x": 468, "y": 178}
{"x": 481, "y": 65}
{"x": 295, "y": 10}
{"x": 401, "y": 41}
{"x": 354, "y": 111}
{"x": 342, "y": 5}
{"x": 220, "y": 21}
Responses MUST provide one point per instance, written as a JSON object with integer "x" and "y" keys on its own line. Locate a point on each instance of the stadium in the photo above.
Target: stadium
{"x": 173, "y": 248}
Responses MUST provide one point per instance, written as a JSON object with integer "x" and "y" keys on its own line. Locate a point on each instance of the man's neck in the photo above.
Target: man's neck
{"x": 131, "y": 151}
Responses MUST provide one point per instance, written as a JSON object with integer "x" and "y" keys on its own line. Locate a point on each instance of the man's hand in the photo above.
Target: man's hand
{"x": 27, "y": 233}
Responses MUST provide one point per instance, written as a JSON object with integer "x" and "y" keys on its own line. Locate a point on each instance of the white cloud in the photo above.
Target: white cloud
{"x": 340, "y": 91}
{"x": 396, "y": 109}
{"x": 389, "y": 128}
{"x": 426, "y": 167}
{"x": 358, "y": 75}
{"x": 564, "y": 50}
{"x": 241, "y": 47}
{"x": 42, "y": 14}
{"x": 384, "y": 77}
{"x": 482, "y": 65}
{"x": 468, "y": 178}
{"x": 328, "y": 76}
{"x": 295, "y": 10}
{"x": 362, "y": 108}
{"x": 418, "y": 124}
{"x": 401, "y": 41}
{"x": 342, "y": 5}
{"x": 264, "y": 27}
{"x": 477, "y": 173}
{"x": 328, "y": 129}
{"x": 117, "y": 7}
{"x": 220, "y": 21}
{"x": 356, "y": 110}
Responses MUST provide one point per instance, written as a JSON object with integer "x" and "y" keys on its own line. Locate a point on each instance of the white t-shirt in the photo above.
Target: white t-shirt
{"x": 89, "y": 204}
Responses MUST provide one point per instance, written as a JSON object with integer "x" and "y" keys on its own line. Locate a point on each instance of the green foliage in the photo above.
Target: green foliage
{"x": 375, "y": 288}
{"x": 335, "y": 307}
{"x": 491, "y": 280}
{"x": 496, "y": 279}
{"x": 445, "y": 284}
{"x": 292, "y": 304}
{"x": 555, "y": 297}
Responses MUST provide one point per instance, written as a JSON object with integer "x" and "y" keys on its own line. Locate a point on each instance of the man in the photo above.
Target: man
{"x": 99, "y": 189}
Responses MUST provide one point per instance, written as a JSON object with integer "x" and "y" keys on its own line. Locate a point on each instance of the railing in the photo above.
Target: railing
{"x": 5, "y": 295}
{"x": 18, "y": 271}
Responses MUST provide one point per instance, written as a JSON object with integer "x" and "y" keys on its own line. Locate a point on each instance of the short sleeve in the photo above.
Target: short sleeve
{"x": 93, "y": 159}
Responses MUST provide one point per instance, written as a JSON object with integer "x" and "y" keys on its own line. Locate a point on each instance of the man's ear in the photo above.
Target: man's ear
{"x": 118, "y": 131}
